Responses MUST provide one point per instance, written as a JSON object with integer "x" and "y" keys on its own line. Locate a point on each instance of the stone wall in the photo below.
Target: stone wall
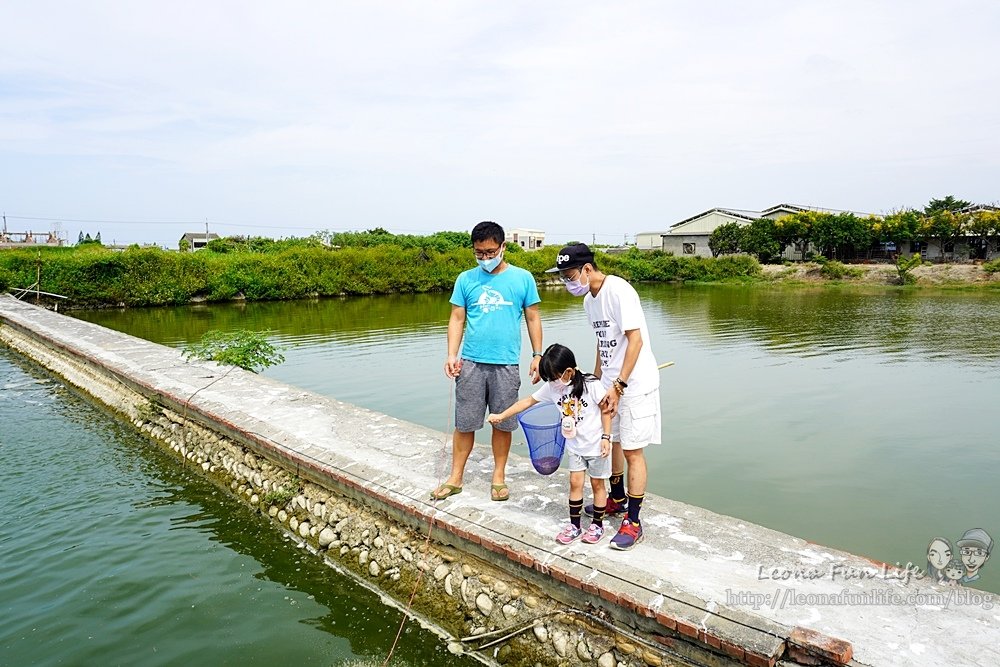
{"x": 502, "y": 615}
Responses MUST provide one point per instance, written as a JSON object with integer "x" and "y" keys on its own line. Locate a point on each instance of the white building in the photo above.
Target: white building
{"x": 529, "y": 239}
{"x": 197, "y": 241}
{"x": 690, "y": 236}
{"x": 649, "y": 240}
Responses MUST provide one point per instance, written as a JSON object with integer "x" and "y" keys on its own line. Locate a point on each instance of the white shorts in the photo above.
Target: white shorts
{"x": 637, "y": 423}
{"x": 597, "y": 467}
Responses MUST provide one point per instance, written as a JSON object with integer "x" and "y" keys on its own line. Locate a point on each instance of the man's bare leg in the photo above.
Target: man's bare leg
{"x": 500, "y": 441}
{"x": 461, "y": 448}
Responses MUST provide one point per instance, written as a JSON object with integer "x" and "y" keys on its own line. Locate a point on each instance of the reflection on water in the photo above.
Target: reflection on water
{"x": 861, "y": 419}
{"x": 113, "y": 553}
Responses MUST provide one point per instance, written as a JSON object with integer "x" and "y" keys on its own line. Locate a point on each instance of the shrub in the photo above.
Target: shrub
{"x": 249, "y": 350}
{"x": 835, "y": 270}
{"x": 992, "y": 267}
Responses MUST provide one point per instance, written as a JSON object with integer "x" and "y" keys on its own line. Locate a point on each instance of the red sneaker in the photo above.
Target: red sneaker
{"x": 611, "y": 509}
{"x": 629, "y": 535}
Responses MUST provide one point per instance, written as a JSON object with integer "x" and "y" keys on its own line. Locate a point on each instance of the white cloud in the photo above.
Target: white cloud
{"x": 553, "y": 115}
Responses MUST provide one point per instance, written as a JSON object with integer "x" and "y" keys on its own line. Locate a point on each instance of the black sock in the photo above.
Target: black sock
{"x": 618, "y": 487}
{"x": 634, "y": 505}
{"x": 599, "y": 515}
{"x": 575, "y": 510}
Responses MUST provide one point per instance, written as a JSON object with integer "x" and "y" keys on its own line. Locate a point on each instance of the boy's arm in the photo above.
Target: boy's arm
{"x": 515, "y": 409}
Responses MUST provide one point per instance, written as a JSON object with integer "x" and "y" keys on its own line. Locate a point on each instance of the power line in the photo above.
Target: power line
{"x": 567, "y": 236}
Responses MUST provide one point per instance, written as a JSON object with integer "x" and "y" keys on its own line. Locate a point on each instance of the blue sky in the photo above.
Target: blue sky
{"x": 588, "y": 120}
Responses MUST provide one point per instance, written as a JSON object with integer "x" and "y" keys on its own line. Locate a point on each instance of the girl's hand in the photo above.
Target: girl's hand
{"x": 494, "y": 419}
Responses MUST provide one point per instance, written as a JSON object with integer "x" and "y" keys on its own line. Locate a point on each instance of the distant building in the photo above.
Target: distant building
{"x": 529, "y": 239}
{"x": 196, "y": 241}
{"x": 29, "y": 239}
{"x": 649, "y": 240}
{"x": 690, "y": 236}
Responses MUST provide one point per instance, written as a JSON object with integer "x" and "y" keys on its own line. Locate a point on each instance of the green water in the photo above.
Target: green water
{"x": 861, "y": 419}
{"x": 112, "y": 553}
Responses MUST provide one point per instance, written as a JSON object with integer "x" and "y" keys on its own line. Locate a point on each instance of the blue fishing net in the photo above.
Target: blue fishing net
{"x": 541, "y": 426}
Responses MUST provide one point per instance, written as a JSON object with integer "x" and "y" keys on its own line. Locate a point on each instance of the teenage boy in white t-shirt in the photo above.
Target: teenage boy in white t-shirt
{"x": 628, "y": 372}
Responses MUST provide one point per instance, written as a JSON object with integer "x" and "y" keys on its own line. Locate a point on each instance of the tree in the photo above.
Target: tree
{"x": 760, "y": 240}
{"x": 184, "y": 245}
{"x": 948, "y": 203}
{"x": 796, "y": 228}
{"x": 984, "y": 228}
{"x": 945, "y": 226}
{"x": 726, "y": 239}
{"x": 902, "y": 225}
{"x": 906, "y": 264}
{"x": 827, "y": 234}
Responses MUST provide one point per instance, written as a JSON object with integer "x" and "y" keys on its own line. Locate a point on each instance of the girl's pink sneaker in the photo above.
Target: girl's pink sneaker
{"x": 594, "y": 534}
{"x": 569, "y": 533}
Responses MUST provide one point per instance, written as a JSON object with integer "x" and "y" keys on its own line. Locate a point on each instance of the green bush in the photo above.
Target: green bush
{"x": 249, "y": 350}
{"x": 92, "y": 275}
{"x": 992, "y": 267}
{"x": 835, "y": 270}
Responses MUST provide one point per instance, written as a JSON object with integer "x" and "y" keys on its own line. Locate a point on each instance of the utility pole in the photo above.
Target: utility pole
{"x": 5, "y": 223}
{"x": 206, "y": 231}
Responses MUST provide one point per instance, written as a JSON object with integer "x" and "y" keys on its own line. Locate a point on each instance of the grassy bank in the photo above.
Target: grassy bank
{"x": 95, "y": 276}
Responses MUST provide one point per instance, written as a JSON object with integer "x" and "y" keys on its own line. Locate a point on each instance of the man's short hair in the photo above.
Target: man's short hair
{"x": 488, "y": 231}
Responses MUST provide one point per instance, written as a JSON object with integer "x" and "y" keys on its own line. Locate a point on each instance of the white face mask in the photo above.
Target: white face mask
{"x": 488, "y": 265}
{"x": 559, "y": 383}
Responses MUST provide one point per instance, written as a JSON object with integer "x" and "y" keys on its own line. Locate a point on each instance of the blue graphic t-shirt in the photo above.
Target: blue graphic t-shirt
{"x": 494, "y": 305}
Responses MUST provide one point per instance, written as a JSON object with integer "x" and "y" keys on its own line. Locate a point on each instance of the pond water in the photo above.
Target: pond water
{"x": 114, "y": 554}
{"x": 863, "y": 419}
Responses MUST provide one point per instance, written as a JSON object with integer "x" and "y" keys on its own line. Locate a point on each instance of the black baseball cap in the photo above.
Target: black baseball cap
{"x": 571, "y": 257}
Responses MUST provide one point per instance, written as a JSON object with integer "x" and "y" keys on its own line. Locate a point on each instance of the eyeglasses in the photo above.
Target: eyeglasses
{"x": 486, "y": 254}
{"x": 972, "y": 551}
{"x": 569, "y": 279}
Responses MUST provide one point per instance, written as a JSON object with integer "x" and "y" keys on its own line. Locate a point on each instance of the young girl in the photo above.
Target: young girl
{"x": 588, "y": 435}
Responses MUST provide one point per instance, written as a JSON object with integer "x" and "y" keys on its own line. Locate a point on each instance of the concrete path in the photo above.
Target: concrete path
{"x": 749, "y": 592}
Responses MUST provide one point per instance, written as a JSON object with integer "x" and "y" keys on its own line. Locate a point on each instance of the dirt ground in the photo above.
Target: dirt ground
{"x": 885, "y": 274}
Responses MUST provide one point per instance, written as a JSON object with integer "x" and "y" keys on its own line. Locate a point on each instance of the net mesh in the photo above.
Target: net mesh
{"x": 541, "y": 426}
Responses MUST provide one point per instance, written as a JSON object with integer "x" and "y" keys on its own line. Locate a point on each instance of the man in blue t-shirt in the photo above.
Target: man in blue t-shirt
{"x": 484, "y": 347}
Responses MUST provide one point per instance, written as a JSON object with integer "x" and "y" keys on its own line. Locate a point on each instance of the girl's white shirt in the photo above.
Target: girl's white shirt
{"x": 585, "y": 410}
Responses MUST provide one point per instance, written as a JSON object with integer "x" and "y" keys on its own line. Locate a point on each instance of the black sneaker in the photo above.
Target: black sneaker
{"x": 613, "y": 508}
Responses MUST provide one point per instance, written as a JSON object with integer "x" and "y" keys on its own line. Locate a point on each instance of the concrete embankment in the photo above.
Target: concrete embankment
{"x": 352, "y": 484}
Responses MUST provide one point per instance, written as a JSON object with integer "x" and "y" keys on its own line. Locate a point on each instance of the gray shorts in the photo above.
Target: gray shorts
{"x": 485, "y": 386}
{"x": 597, "y": 467}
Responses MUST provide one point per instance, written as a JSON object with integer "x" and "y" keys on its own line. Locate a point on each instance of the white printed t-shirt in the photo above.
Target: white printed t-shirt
{"x": 585, "y": 409}
{"x": 615, "y": 310}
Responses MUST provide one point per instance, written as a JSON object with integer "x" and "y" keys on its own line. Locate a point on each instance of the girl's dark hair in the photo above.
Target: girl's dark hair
{"x": 554, "y": 362}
